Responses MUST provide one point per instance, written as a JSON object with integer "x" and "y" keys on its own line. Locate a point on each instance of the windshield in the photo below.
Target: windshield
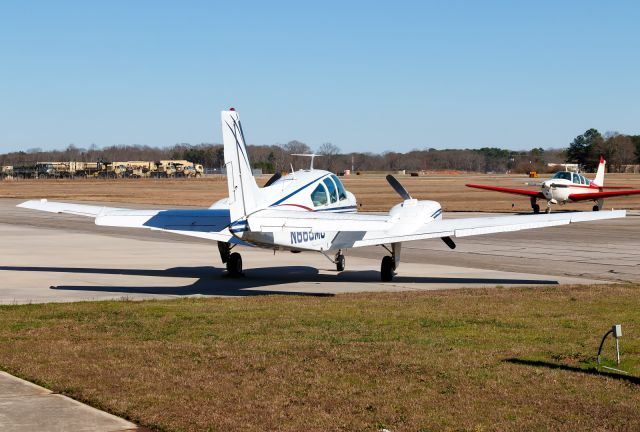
{"x": 562, "y": 175}
{"x": 342, "y": 193}
{"x": 332, "y": 190}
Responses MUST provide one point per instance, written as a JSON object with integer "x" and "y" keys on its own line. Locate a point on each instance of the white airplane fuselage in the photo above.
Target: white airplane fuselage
{"x": 311, "y": 191}
{"x": 560, "y": 190}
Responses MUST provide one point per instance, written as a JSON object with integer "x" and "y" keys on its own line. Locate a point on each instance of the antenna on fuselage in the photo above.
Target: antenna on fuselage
{"x": 311, "y": 155}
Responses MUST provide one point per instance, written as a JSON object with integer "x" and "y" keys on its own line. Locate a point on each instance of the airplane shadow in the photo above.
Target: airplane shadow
{"x": 549, "y": 365}
{"x": 215, "y": 281}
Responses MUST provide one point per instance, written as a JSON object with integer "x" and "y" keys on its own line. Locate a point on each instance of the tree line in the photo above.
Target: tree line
{"x": 617, "y": 149}
{"x": 585, "y": 150}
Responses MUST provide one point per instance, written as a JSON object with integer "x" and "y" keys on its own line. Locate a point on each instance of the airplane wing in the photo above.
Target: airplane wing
{"x": 525, "y": 192}
{"x": 67, "y": 208}
{"x": 599, "y": 195}
{"x": 467, "y": 227}
{"x": 356, "y": 230}
{"x": 209, "y": 224}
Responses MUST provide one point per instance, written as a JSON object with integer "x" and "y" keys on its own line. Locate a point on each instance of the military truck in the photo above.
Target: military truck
{"x": 112, "y": 170}
{"x": 164, "y": 168}
{"x": 139, "y": 169}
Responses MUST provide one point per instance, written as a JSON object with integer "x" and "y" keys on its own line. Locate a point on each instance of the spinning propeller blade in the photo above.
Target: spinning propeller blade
{"x": 395, "y": 184}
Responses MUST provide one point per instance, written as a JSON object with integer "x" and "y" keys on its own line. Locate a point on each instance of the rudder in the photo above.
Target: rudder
{"x": 243, "y": 189}
{"x": 599, "y": 180}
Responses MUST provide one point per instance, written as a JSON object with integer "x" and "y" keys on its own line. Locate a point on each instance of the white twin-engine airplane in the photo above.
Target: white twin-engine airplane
{"x": 306, "y": 210}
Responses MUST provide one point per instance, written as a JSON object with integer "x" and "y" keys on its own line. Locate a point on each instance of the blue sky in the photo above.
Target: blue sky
{"x": 363, "y": 75}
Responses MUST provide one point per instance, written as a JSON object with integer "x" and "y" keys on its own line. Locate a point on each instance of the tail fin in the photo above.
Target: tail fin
{"x": 243, "y": 190}
{"x": 599, "y": 180}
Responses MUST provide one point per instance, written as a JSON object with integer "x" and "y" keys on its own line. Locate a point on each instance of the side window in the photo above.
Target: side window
{"x": 332, "y": 189}
{"x": 319, "y": 196}
{"x": 576, "y": 178}
{"x": 342, "y": 194}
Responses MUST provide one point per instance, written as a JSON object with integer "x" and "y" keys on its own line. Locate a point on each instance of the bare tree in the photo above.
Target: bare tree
{"x": 329, "y": 154}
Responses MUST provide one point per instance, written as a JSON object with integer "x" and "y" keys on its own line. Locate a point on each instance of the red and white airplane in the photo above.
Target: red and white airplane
{"x": 566, "y": 187}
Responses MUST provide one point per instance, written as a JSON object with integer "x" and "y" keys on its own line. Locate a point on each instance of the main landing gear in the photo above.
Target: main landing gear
{"x": 390, "y": 262}
{"x": 232, "y": 260}
{"x": 339, "y": 261}
{"x": 599, "y": 205}
{"x": 534, "y": 205}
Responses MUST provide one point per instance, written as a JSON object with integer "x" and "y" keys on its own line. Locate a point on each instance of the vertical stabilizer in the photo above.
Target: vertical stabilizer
{"x": 599, "y": 180}
{"x": 243, "y": 190}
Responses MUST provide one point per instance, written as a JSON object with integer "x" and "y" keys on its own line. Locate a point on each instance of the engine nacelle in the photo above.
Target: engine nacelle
{"x": 415, "y": 211}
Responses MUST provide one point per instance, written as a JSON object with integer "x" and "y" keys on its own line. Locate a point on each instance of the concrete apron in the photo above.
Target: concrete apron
{"x": 25, "y": 406}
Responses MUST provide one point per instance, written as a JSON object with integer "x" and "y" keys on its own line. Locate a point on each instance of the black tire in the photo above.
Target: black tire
{"x": 234, "y": 264}
{"x": 536, "y": 208}
{"x": 340, "y": 263}
{"x": 386, "y": 269}
{"x": 596, "y": 208}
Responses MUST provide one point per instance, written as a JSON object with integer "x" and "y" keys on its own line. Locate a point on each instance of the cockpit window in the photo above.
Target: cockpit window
{"x": 319, "y": 196}
{"x": 576, "y": 178}
{"x": 332, "y": 190}
{"x": 342, "y": 194}
{"x": 562, "y": 175}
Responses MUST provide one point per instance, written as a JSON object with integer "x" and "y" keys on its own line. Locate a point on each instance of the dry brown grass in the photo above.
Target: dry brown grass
{"x": 483, "y": 359}
{"x": 372, "y": 191}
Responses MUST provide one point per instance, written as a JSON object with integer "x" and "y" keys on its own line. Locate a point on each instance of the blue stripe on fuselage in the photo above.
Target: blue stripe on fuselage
{"x": 298, "y": 190}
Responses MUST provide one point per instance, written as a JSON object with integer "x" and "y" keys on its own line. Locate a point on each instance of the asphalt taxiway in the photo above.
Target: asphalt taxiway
{"x": 58, "y": 258}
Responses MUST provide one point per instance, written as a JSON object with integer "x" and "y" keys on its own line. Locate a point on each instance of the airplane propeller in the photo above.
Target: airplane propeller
{"x": 395, "y": 184}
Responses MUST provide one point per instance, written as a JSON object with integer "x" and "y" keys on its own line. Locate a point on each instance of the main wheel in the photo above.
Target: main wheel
{"x": 340, "y": 262}
{"x": 386, "y": 269}
{"x": 596, "y": 208}
{"x": 536, "y": 208}
{"x": 234, "y": 264}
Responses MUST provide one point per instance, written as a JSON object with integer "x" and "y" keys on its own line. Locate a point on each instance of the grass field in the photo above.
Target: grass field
{"x": 484, "y": 359}
{"x": 372, "y": 191}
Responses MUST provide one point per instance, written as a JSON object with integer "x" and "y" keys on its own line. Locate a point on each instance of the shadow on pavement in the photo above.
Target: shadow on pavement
{"x": 215, "y": 281}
